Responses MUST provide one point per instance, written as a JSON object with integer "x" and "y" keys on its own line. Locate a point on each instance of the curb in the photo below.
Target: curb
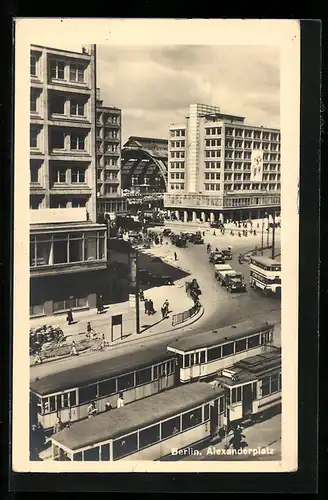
{"x": 113, "y": 346}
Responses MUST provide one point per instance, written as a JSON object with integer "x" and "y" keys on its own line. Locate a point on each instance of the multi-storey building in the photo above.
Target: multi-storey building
{"x": 221, "y": 167}
{"x": 67, "y": 246}
{"x": 108, "y": 139}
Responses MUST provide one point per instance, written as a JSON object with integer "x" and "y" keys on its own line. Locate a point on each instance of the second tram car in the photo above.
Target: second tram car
{"x": 202, "y": 355}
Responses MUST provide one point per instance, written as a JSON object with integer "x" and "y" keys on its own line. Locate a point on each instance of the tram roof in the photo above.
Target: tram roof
{"x": 100, "y": 370}
{"x": 121, "y": 421}
{"x": 266, "y": 261}
{"x": 219, "y": 336}
{"x": 252, "y": 368}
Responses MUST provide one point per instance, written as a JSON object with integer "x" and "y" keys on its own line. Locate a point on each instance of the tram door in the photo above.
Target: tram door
{"x": 247, "y": 400}
{"x": 214, "y": 417}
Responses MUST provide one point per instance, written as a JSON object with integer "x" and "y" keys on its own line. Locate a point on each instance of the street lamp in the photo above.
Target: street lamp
{"x": 134, "y": 283}
{"x": 273, "y": 234}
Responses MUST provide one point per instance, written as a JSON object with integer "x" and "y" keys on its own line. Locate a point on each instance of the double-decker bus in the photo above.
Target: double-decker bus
{"x": 265, "y": 273}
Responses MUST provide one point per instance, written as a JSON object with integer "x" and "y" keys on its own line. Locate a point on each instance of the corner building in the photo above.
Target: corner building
{"x": 67, "y": 246}
{"x": 221, "y": 168}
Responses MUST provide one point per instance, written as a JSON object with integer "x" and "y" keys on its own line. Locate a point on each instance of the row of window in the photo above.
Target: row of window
{"x": 251, "y": 134}
{"x": 59, "y": 104}
{"x": 265, "y": 280}
{"x": 112, "y": 206}
{"x": 212, "y": 187}
{"x": 148, "y": 436}
{"x": 266, "y": 267}
{"x": 177, "y": 154}
{"x": 212, "y": 175}
{"x": 108, "y": 148}
{"x": 59, "y": 201}
{"x": 177, "y": 175}
{"x": 177, "y": 144}
{"x": 59, "y": 139}
{"x": 180, "y": 186}
{"x": 213, "y": 153}
{"x": 107, "y": 189}
{"x": 60, "y": 70}
{"x": 177, "y": 164}
{"x": 108, "y": 162}
{"x": 63, "y": 248}
{"x": 178, "y": 133}
{"x": 252, "y": 187}
{"x": 251, "y": 145}
{"x": 107, "y": 119}
{"x": 213, "y": 353}
{"x": 236, "y": 202}
{"x": 61, "y": 305}
{"x": 105, "y": 388}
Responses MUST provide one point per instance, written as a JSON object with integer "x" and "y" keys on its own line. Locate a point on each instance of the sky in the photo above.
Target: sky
{"x": 154, "y": 86}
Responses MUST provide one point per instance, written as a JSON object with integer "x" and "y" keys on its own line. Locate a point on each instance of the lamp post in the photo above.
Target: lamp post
{"x": 273, "y": 235}
{"x": 262, "y": 237}
{"x": 134, "y": 283}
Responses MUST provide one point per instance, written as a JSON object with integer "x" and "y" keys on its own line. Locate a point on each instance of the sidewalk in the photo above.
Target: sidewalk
{"x": 151, "y": 325}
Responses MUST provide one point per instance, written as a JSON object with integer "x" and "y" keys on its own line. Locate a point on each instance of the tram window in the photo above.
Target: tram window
{"x": 104, "y": 450}
{"x": 241, "y": 345}
{"x": 171, "y": 367}
{"x": 280, "y": 381}
{"x": 170, "y": 427}
{"x": 274, "y": 383}
{"x": 77, "y": 457}
{"x": 191, "y": 418}
{"x": 236, "y": 395}
{"x": 52, "y": 403}
{"x": 92, "y": 455}
{"x": 228, "y": 349}
{"x": 265, "y": 386}
{"x": 59, "y": 401}
{"x": 73, "y": 398}
{"x": 206, "y": 412}
{"x": 107, "y": 387}
{"x": 254, "y": 390}
{"x": 221, "y": 405}
{"x": 149, "y": 436}
{"x": 143, "y": 376}
{"x": 66, "y": 400}
{"x": 214, "y": 353}
{"x": 125, "y": 446}
{"x": 253, "y": 341}
{"x": 88, "y": 393}
{"x": 187, "y": 360}
{"x": 202, "y": 356}
{"x": 125, "y": 382}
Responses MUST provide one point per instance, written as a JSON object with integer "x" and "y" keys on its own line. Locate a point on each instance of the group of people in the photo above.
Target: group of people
{"x": 92, "y": 409}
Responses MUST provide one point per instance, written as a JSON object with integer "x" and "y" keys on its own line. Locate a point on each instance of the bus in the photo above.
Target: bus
{"x": 200, "y": 356}
{"x": 145, "y": 430}
{"x": 68, "y": 393}
{"x": 265, "y": 273}
{"x": 252, "y": 388}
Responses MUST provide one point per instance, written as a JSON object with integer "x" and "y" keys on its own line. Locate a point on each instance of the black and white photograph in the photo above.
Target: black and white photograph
{"x": 156, "y": 270}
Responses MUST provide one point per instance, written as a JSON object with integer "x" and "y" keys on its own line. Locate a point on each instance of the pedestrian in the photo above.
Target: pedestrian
{"x": 231, "y": 232}
{"x": 203, "y": 233}
{"x": 175, "y": 256}
{"x": 120, "y": 400}
{"x": 161, "y": 240}
{"x": 214, "y": 233}
{"x": 146, "y": 304}
{"x": 92, "y": 410}
{"x": 254, "y": 232}
{"x": 108, "y": 406}
{"x": 69, "y": 317}
{"x": 163, "y": 311}
{"x": 239, "y": 234}
{"x": 151, "y": 307}
{"x": 141, "y": 294}
{"x": 257, "y": 225}
{"x": 73, "y": 349}
{"x": 58, "y": 425}
{"x": 100, "y": 305}
{"x": 89, "y": 330}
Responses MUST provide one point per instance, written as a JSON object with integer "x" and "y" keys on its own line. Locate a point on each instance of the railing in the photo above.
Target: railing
{"x": 184, "y": 316}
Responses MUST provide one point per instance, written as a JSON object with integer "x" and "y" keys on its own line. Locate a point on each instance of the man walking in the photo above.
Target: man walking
{"x": 69, "y": 317}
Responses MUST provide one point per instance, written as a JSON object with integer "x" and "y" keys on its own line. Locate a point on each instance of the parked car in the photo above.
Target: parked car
{"x": 216, "y": 258}
{"x": 167, "y": 232}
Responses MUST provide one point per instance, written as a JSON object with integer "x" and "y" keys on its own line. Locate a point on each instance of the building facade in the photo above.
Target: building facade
{"x": 219, "y": 167}
{"x": 108, "y": 139}
{"x": 68, "y": 249}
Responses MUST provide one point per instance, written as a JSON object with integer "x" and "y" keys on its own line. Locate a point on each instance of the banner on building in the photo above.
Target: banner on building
{"x": 257, "y": 165}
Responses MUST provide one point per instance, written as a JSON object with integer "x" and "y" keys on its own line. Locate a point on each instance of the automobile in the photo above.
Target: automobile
{"x": 216, "y": 258}
{"x": 167, "y": 232}
{"x": 147, "y": 278}
{"x": 227, "y": 254}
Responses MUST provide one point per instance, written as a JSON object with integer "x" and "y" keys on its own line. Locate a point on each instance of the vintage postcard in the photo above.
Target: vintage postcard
{"x": 156, "y": 245}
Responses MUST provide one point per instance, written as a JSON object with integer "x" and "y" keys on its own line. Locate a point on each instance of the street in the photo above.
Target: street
{"x": 220, "y": 308}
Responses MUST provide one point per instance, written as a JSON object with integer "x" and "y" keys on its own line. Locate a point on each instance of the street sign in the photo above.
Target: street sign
{"x": 117, "y": 320}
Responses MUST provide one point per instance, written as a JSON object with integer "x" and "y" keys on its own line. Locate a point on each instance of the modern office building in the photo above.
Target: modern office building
{"x": 67, "y": 246}
{"x": 220, "y": 167}
{"x": 108, "y": 139}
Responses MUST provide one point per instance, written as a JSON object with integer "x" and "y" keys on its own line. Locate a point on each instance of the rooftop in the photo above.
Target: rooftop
{"x": 134, "y": 416}
{"x": 220, "y": 336}
{"x": 100, "y": 370}
{"x": 266, "y": 261}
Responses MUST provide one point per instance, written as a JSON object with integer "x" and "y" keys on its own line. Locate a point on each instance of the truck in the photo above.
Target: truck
{"x": 197, "y": 238}
{"x": 221, "y": 267}
{"x": 232, "y": 280}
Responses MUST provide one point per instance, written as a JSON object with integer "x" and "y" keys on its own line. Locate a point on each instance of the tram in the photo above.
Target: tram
{"x": 252, "y": 387}
{"x": 201, "y": 356}
{"x": 149, "y": 429}
{"x": 67, "y": 394}
{"x": 265, "y": 273}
